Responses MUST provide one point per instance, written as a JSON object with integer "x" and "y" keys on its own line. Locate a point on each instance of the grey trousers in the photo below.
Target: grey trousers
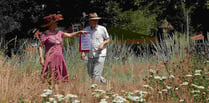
{"x": 95, "y": 68}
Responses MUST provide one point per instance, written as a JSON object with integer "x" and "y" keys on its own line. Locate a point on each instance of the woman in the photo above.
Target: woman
{"x": 53, "y": 62}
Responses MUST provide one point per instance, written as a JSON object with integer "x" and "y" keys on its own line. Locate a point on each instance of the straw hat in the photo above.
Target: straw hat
{"x": 94, "y": 16}
{"x": 51, "y": 19}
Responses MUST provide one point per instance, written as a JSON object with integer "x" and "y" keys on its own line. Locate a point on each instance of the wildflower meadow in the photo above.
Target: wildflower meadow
{"x": 183, "y": 77}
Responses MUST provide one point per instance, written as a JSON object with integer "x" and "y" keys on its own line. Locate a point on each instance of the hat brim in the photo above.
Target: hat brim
{"x": 95, "y": 18}
{"x": 48, "y": 24}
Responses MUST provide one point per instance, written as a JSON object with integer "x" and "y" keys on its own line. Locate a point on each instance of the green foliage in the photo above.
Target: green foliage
{"x": 138, "y": 21}
{"x": 207, "y": 4}
{"x": 123, "y": 34}
{"x": 19, "y": 14}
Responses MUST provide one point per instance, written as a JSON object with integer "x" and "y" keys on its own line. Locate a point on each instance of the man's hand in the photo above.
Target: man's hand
{"x": 101, "y": 46}
{"x": 83, "y": 56}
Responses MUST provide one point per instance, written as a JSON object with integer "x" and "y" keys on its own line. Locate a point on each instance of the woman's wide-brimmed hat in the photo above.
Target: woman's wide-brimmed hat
{"x": 94, "y": 16}
{"x": 51, "y": 19}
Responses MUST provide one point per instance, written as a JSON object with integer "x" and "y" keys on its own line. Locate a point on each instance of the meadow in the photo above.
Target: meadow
{"x": 181, "y": 76}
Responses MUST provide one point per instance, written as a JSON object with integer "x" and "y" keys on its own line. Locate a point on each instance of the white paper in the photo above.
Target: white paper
{"x": 86, "y": 42}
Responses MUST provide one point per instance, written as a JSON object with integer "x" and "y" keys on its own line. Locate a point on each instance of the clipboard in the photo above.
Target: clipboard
{"x": 80, "y": 48}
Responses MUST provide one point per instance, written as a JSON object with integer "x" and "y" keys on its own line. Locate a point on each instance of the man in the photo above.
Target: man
{"x": 98, "y": 51}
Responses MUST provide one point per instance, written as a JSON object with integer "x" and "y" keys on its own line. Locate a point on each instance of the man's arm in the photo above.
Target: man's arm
{"x": 71, "y": 35}
{"x": 101, "y": 46}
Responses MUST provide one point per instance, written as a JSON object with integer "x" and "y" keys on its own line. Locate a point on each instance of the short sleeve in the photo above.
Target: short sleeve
{"x": 43, "y": 38}
{"x": 61, "y": 33}
{"x": 106, "y": 34}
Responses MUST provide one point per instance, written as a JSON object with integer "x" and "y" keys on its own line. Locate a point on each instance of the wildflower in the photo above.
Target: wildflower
{"x": 164, "y": 90}
{"x": 103, "y": 101}
{"x": 68, "y": 96}
{"x": 175, "y": 88}
{"x": 184, "y": 84}
{"x": 107, "y": 97}
{"x": 198, "y": 71}
{"x": 201, "y": 87}
{"x": 171, "y": 76}
{"x": 136, "y": 99}
{"x": 118, "y": 99}
{"x": 100, "y": 91}
{"x": 44, "y": 95}
{"x": 160, "y": 92}
{"x": 71, "y": 96}
{"x": 141, "y": 92}
{"x": 48, "y": 91}
{"x": 197, "y": 74}
{"x": 152, "y": 71}
{"x": 157, "y": 77}
{"x": 59, "y": 97}
{"x": 147, "y": 86}
{"x": 93, "y": 86}
{"x": 188, "y": 75}
{"x": 75, "y": 101}
{"x": 168, "y": 87}
{"x": 163, "y": 77}
{"x": 195, "y": 91}
{"x": 128, "y": 93}
{"x": 194, "y": 85}
{"x": 182, "y": 100}
{"x": 167, "y": 92}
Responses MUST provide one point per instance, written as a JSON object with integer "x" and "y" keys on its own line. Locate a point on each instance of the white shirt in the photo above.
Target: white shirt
{"x": 98, "y": 35}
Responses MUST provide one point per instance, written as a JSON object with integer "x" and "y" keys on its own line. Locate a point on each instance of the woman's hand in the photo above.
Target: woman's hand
{"x": 84, "y": 32}
{"x": 42, "y": 62}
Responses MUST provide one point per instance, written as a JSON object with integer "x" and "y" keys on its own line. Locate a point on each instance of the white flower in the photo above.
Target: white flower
{"x": 59, "y": 97}
{"x": 171, "y": 76}
{"x": 147, "y": 86}
{"x": 168, "y": 87}
{"x": 152, "y": 71}
{"x": 44, "y": 95}
{"x": 163, "y": 77}
{"x": 157, "y": 77}
{"x": 119, "y": 99}
{"x": 103, "y": 101}
{"x": 184, "y": 84}
{"x": 100, "y": 91}
{"x": 198, "y": 71}
{"x": 188, "y": 75}
{"x": 136, "y": 99}
{"x": 51, "y": 99}
{"x": 93, "y": 85}
{"x": 71, "y": 96}
{"x": 197, "y": 74}
{"x": 75, "y": 101}
{"x": 164, "y": 90}
{"x": 194, "y": 85}
{"x": 181, "y": 100}
{"x": 195, "y": 91}
{"x": 68, "y": 96}
{"x": 201, "y": 87}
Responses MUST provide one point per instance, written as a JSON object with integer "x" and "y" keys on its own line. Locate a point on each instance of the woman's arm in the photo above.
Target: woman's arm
{"x": 40, "y": 49}
{"x": 71, "y": 35}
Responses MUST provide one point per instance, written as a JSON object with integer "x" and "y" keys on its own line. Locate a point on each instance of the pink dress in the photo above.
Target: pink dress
{"x": 54, "y": 61}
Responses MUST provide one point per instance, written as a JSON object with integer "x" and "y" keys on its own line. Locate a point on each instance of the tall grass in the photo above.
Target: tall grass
{"x": 183, "y": 77}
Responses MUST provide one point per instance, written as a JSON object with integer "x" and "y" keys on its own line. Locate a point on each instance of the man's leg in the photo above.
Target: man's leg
{"x": 98, "y": 69}
{"x": 90, "y": 66}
